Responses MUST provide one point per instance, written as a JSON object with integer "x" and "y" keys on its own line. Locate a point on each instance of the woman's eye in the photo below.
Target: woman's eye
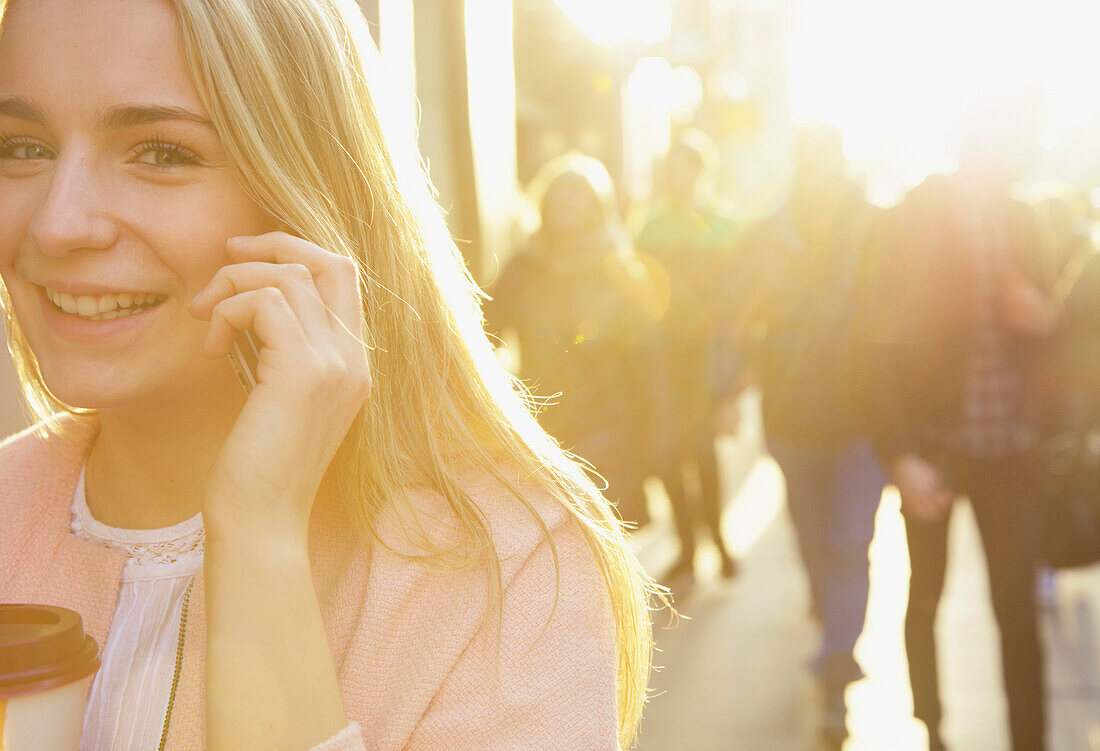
{"x": 166, "y": 156}
{"x": 24, "y": 151}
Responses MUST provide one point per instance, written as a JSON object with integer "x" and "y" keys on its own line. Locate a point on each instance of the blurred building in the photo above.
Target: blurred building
{"x": 450, "y": 64}
{"x": 615, "y": 79}
{"x": 498, "y": 87}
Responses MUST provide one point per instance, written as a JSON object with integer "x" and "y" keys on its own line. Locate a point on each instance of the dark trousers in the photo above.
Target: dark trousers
{"x": 698, "y": 454}
{"x": 1000, "y": 492}
{"x": 685, "y": 404}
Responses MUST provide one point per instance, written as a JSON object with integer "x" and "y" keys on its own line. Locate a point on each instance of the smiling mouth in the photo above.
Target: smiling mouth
{"x": 103, "y": 307}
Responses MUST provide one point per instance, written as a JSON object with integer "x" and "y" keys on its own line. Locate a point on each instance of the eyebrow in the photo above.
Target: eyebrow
{"x": 21, "y": 109}
{"x": 115, "y": 118}
{"x": 128, "y": 115}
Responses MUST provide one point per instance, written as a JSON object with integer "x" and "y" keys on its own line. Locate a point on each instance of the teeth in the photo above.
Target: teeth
{"x": 87, "y": 306}
{"x": 103, "y": 307}
{"x": 113, "y": 314}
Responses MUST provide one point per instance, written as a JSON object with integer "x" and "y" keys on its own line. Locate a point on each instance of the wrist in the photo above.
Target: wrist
{"x": 266, "y": 560}
{"x": 229, "y": 526}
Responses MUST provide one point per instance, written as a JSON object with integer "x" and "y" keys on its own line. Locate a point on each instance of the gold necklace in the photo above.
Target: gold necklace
{"x": 179, "y": 665}
{"x": 89, "y": 493}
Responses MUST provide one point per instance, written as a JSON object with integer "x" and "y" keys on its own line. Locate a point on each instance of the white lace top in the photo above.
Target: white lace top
{"x": 129, "y": 697}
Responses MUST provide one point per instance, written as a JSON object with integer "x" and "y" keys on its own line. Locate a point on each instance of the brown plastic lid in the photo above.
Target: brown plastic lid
{"x": 42, "y": 647}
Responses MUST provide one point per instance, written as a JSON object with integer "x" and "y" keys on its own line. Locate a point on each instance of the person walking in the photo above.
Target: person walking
{"x": 697, "y": 374}
{"x": 582, "y": 306}
{"x": 965, "y": 309}
{"x": 801, "y": 270}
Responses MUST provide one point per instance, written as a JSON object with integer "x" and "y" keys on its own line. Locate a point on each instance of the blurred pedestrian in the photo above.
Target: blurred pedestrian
{"x": 581, "y": 304}
{"x": 1083, "y": 301}
{"x": 1071, "y": 449}
{"x": 1062, "y": 211}
{"x": 800, "y": 269}
{"x": 1067, "y": 404}
{"x": 696, "y": 371}
{"x": 966, "y": 308}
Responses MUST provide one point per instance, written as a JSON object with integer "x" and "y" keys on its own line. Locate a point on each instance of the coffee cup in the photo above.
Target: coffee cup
{"x": 47, "y": 663}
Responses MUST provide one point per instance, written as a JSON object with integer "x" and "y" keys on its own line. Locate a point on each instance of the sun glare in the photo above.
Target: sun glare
{"x": 896, "y": 76}
{"x": 606, "y": 21}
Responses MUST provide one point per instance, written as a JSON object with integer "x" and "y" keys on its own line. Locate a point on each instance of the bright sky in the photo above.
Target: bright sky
{"x": 614, "y": 20}
{"x": 894, "y": 74}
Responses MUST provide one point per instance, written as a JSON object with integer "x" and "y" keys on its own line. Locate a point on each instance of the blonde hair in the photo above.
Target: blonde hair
{"x": 293, "y": 88}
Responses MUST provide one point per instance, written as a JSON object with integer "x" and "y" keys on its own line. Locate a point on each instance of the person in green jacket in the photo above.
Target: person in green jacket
{"x": 696, "y": 369}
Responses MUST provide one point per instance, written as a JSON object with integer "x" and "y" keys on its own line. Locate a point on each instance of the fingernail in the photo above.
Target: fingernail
{"x": 237, "y": 241}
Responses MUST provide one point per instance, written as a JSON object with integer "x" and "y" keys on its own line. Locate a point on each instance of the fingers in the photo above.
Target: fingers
{"x": 265, "y": 311}
{"x": 302, "y": 302}
{"x": 292, "y": 279}
{"x": 335, "y": 276}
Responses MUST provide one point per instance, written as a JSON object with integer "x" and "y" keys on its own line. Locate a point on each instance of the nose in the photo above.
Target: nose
{"x": 74, "y": 214}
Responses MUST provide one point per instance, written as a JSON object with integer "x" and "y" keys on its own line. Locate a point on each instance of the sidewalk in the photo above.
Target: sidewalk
{"x": 733, "y": 675}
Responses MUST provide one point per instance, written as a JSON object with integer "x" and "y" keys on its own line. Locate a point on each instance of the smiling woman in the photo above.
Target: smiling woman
{"x": 376, "y": 547}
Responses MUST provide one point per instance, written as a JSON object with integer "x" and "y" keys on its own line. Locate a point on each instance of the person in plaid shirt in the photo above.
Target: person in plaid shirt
{"x": 963, "y": 309}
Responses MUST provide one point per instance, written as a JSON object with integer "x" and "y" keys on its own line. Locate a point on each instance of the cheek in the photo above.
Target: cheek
{"x": 18, "y": 208}
{"x": 188, "y": 230}
{"x": 193, "y": 251}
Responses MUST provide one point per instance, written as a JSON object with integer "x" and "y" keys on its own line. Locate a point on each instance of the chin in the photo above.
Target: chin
{"x": 92, "y": 394}
{"x": 110, "y": 388}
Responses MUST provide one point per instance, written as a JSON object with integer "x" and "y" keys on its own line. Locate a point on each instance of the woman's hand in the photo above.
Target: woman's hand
{"x": 304, "y": 307}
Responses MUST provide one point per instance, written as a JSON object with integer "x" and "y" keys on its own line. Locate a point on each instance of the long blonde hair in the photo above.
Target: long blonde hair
{"x": 293, "y": 88}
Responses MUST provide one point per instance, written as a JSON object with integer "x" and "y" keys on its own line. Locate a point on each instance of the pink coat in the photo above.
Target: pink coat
{"x": 419, "y": 667}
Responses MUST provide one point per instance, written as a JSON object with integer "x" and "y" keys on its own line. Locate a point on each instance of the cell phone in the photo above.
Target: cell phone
{"x": 244, "y": 357}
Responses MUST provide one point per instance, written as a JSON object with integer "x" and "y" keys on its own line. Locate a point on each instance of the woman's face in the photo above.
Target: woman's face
{"x": 113, "y": 185}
